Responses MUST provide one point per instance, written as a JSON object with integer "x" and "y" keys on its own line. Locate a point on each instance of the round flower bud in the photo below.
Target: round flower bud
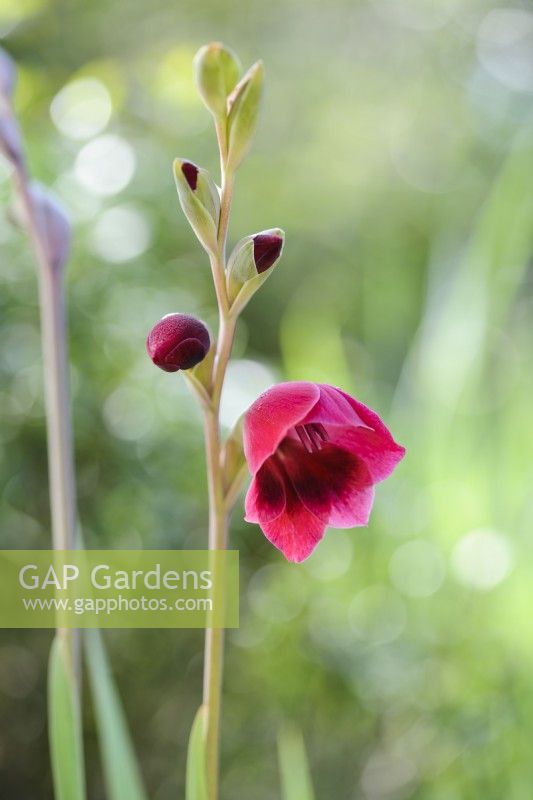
{"x": 178, "y": 341}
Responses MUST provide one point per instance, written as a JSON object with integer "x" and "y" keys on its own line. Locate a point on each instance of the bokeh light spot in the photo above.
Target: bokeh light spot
{"x": 245, "y": 380}
{"x": 385, "y": 774}
{"x": 82, "y": 108}
{"x": 332, "y": 559}
{"x": 482, "y": 559}
{"x": 121, "y": 234}
{"x": 127, "y": 414}
{"x": 505, "y": 47}
{"x": 377, "y": 615}
{"x": 105, "y": 165}
{"x": 417, "y": 568}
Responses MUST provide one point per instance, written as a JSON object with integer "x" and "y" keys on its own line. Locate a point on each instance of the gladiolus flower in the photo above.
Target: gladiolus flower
{"x": 315, "y": 454}
{"x": 178, "y": 341}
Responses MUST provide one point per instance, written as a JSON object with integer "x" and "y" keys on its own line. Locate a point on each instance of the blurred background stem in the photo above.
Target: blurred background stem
{"x": 57, "y": 394}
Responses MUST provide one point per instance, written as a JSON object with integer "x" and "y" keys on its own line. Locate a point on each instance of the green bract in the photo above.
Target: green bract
{"x": 243, "y": 111}
{"x": 217, "y": 70}
{"x": 233, "y": 461}
{"x": 244, "y": 274}
{"x": 199, "y": 200}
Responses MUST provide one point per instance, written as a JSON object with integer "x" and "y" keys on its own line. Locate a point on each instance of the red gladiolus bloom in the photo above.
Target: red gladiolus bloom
{"x": 315, "y": 454}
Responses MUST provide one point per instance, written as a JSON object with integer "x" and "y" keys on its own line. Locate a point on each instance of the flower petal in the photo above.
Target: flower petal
{"x": 333, "y": 408}
{"x": 265, "y": 499}
{"x": 296, "y": 532}
{"x": 270, "y": 417}
{"x": 352, "y": 508}
{"x": 368, "y": 417}
{"x": 333, "y": 483}
{"x": 380, "y": 453}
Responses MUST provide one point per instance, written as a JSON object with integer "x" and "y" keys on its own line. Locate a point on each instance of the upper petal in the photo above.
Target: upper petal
{"x": 368, "y": 417}
{"x": 270, "y": 417}
{"x": 356, "y": 428}
{"x": 333, "y": 408}
{"x": 380, "y": 453}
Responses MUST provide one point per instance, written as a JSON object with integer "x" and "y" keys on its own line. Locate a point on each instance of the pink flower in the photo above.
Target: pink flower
{"x": 315, "y": 454}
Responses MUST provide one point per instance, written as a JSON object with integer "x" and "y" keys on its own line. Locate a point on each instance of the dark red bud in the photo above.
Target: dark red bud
{"x": 178, "y": 341}
{"x": 267, "y": 248}
{"x": 190, "y": 171}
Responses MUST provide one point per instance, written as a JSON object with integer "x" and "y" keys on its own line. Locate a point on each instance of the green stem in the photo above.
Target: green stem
{"x": 218, "y": 513}
{"x": 214, "y": 637}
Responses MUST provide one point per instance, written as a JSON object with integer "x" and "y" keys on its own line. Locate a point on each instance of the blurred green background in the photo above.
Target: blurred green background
{"x": 396, "y": 151}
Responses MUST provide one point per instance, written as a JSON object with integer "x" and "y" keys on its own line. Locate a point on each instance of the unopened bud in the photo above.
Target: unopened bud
{"x": 267, "y": 249}
{"x": 251, "y": 262}
{"x": 178, "y": 341}
{"x": 217, "y": 70}
{"x": 199, "y": 200}
{"x": 243, "y": 111}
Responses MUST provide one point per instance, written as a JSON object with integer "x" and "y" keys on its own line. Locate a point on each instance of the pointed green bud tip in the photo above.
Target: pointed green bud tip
{"x": 216, "y": 69}
{"x": 199, "y": 199}
{"x": 243, "y": 112}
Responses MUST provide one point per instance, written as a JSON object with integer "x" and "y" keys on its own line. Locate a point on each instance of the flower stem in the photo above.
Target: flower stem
{"x": 214, "y": 637}
{"x": 57, "y": 395}
{"x": 218, "y": 513}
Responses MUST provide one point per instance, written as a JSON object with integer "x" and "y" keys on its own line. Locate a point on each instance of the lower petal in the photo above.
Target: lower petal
{"x": 296, "y": 532}
{"x": 352, "y": 509}
{"x": 265, "y": 499}
{"x": 333, "y": 484}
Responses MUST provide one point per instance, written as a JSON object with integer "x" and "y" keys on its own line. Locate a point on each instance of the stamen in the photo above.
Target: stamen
{"x": 312, "y": 436}
{"x": 305, "y": 438}
{"x": 317, "y": 434}
{"x": 319, "y": 428}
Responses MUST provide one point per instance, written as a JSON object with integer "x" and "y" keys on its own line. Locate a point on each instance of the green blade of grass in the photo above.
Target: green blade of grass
{"x": 122, "y": 774}
{"x": 294, "y": 770}
{"x": 196, "y": 787}
{"x": 66, "y": 743}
